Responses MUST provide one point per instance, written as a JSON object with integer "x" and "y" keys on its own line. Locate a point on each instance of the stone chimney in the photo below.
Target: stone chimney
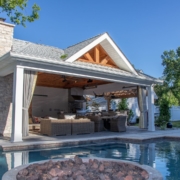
{"x": 6, "y": 36}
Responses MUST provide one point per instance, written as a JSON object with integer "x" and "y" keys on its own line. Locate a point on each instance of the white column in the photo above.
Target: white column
{"x": 151, "y": 126}
{"x": 16, "y": 135}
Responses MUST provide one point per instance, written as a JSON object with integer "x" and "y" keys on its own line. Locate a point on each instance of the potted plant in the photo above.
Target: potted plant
{"x": 123, "y": 105}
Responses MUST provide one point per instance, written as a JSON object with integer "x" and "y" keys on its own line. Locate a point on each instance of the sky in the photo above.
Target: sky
{"x": 143, "y": 29}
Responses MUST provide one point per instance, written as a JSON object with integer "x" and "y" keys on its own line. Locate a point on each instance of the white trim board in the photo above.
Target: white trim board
{"x": 66, "y": 68}
{"x": 84, "y": 73}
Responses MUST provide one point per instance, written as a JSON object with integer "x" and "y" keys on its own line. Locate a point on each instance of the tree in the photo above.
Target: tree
{"x": 164, "y": 113}
{"x": 170, "y": 89}
{"x": 14, "y": 9}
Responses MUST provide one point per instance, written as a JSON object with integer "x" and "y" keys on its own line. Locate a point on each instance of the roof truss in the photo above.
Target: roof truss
{"x": 98, "y": 55}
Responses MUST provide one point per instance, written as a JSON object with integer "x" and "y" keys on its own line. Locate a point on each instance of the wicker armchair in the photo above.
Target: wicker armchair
{"x": 56, "y": 127}
{"x": 98, "y": 123}
{"x": 118, "y": 124}
{"x": 82, "y": 126}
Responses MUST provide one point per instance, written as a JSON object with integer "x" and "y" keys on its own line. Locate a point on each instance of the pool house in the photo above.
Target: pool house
{"x": 42, "y": 81}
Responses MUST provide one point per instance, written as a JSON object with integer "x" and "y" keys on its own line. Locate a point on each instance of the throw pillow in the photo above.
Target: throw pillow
{"x": 36, "y": 120}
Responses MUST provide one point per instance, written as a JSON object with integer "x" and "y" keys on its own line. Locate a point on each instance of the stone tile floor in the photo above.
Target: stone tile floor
{"x": 133, "y": 133}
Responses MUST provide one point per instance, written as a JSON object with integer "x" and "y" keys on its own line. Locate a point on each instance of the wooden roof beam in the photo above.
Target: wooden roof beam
{"x": 97, "y": 54}
{"x": 105, "y": 60}
{"x": 88, "y": 56}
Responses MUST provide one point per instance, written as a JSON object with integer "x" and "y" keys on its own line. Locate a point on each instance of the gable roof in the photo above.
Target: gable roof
{"x": 112, "y": 50}
{"x": 36, "y": 50}
{"x": 49, "y": 52}
{"x": 75, "y": 51}
{"x": 52, "y": 55}
{"x": 71, "y": 50}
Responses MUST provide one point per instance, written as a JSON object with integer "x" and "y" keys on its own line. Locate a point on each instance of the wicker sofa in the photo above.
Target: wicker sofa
{"x": 55, "y": 127}
{"x": 82, "y": 126}
{"x": 66, "y": 126}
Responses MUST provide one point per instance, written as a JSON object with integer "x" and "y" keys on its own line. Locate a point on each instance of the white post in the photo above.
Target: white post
{"x": 151, "y": 126}
{"x": 16, "y": 135}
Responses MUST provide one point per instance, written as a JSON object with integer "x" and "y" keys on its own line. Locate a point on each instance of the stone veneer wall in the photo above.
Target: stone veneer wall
{"x": 6, "y": 94}
{"x": 6, "y": 37}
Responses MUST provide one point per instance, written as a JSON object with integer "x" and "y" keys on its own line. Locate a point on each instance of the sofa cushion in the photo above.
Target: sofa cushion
{"x": 52, "y": 118}
{"x": 30, "y": 121}
{"x": 80, "y": 120}
{"x": 69, "y": 116}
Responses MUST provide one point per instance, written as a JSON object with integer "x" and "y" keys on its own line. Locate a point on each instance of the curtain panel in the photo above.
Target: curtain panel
{"x": 30, "y": 78}
{"x": 143, "y": 122}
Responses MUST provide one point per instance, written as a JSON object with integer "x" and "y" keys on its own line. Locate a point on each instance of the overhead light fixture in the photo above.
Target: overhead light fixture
{"x": 64, "y": 79}
{"x": 89, "y": 80}
{"x": 89, "y": 87}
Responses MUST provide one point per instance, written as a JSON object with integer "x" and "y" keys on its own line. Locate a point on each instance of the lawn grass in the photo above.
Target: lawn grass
{"x": 176, "y": 124}
{"x": 137, "y": 124}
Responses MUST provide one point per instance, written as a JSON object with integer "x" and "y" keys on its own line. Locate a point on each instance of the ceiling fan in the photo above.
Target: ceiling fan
{"x": 96, "y": 95}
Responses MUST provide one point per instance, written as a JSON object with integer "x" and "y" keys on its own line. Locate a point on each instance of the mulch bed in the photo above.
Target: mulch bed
{"x": 78, "y": 170}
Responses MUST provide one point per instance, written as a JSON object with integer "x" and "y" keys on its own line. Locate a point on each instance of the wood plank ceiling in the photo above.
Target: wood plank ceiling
{"x": 66, "y": 82}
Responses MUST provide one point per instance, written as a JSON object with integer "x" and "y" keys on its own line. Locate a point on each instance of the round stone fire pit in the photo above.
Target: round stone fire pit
{"x": 83, "y": 169}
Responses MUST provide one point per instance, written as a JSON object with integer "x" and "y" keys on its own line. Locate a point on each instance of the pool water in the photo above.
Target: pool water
{"x": 162, "y": 155}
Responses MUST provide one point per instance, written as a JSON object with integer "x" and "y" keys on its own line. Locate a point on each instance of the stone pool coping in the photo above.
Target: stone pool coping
{"x": 66, "y": 141}
{"x": 153, "y": 173}
{"x": 57, "y": 144}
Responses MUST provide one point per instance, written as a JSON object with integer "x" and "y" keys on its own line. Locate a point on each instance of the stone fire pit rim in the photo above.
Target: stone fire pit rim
{"x": 153, "y": 173}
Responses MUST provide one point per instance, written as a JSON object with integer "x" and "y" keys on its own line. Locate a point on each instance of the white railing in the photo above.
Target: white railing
{"x": 174, "y": 110}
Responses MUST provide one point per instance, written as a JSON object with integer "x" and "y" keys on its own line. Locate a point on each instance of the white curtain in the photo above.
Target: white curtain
{"x": 30, "y": 78}
{"x": 142, "y": 106}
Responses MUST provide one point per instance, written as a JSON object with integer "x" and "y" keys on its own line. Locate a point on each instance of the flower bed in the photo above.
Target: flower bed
{"x": 83, "y": 169}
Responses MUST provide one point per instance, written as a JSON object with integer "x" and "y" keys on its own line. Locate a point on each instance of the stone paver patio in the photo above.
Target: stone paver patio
{"x": 133, "y": 134}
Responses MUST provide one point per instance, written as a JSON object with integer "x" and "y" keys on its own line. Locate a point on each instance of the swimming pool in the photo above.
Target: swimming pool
{"x": 162, "y": 155}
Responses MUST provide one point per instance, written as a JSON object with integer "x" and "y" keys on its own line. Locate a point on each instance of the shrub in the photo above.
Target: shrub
{"x": 164, "y": 113}
{"x": 130, "y": 115}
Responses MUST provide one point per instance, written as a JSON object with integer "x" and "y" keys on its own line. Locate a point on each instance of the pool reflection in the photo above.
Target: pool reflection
{"x": 164, "y": 156}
